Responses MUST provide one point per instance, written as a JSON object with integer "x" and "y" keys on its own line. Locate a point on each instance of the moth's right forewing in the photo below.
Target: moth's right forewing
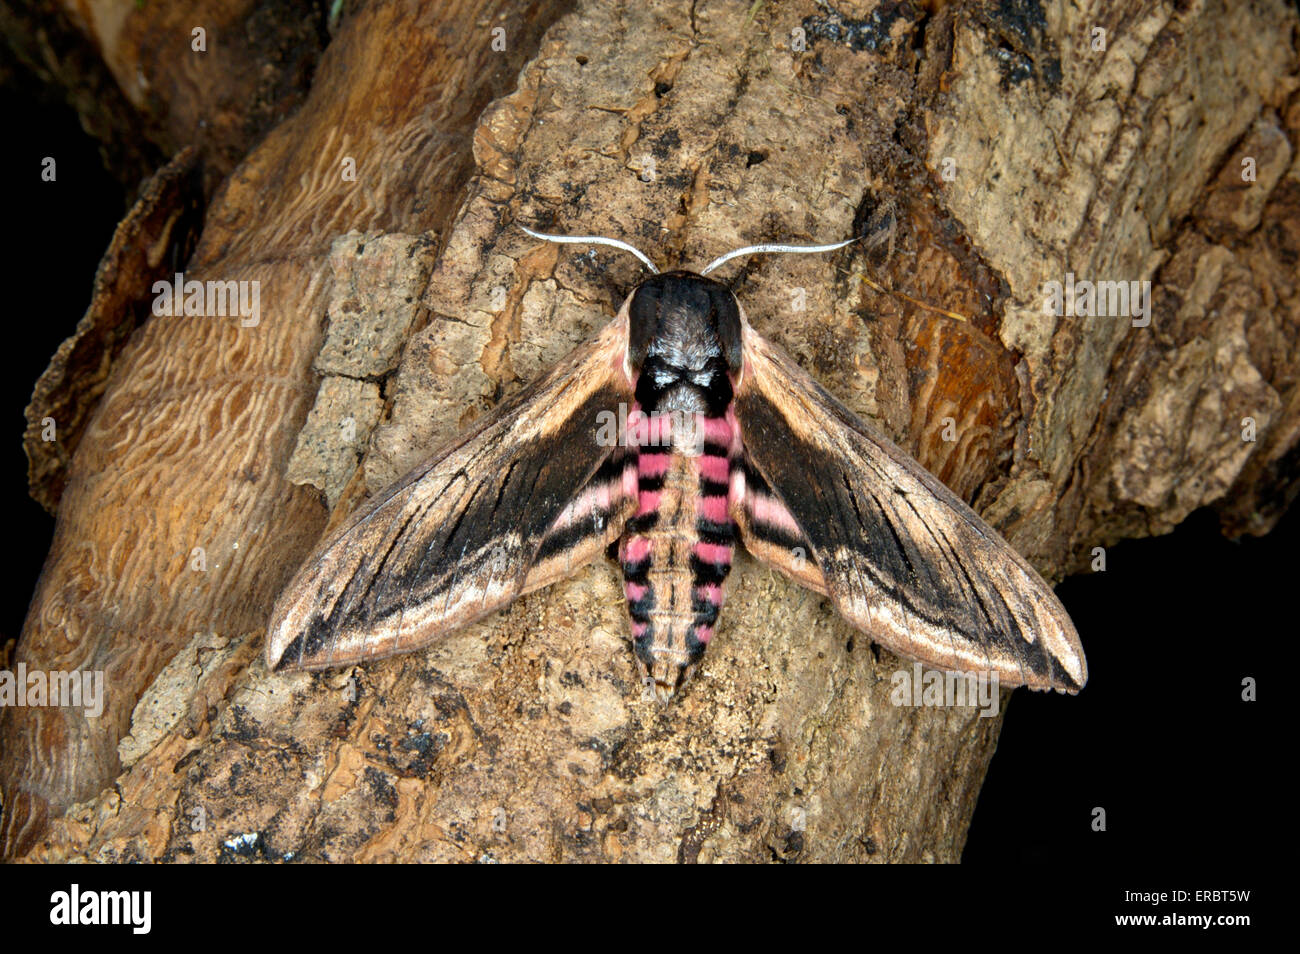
{"x": 902, "y": 557}
{"x": 531, "y": 493}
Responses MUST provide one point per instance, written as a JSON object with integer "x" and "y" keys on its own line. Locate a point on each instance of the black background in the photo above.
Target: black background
{"x": 1160, "y": 738}
{"x": 56, "y": 234}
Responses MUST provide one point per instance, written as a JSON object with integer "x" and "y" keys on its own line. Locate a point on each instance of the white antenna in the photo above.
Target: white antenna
{"x": 747, "y": 250}
{"x": 593, "y": 240}
{"x": 759, "y": 249}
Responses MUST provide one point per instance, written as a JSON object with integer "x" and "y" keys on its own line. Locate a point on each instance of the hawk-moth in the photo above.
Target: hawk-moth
{"x": 675, "y": 433}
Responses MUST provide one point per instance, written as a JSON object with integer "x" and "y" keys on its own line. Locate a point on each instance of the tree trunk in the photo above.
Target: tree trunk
{"x": 983, "y": 149}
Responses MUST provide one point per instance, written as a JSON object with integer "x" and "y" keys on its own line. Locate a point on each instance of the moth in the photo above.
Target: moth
{"x": 674, "y": 434}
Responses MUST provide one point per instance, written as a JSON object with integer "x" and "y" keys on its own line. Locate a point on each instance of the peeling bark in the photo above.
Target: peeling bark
{"x": 686, "y": 129}
{"x": 148, "y": 245}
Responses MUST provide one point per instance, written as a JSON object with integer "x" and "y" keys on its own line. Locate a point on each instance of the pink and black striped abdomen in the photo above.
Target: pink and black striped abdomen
{"x": 676, "y": 551}
{"x": 714, "y": 529}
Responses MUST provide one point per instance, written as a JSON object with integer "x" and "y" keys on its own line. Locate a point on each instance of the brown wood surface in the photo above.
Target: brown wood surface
{"x": 687, "y": 129}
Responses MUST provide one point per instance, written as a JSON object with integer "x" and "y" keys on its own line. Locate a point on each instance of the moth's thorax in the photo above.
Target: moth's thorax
{"x": 676, "y": 551}
{"x": 683, "y": 344}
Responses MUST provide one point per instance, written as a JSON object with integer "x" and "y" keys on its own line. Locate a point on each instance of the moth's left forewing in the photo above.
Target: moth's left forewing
{"x": 525, "y": 497}
{"x": 901, "y": 556}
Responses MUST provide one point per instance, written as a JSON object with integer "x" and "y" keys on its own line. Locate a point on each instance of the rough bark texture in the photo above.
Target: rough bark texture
{"x": 984, "y": 149}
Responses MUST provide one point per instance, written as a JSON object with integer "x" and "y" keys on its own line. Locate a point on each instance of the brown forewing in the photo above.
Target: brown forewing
{"x": 459, "y": 536}
{"x": 899, "y": 554}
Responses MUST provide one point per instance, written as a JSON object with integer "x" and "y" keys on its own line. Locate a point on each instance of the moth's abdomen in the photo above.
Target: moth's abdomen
{"x": 676, "y": 551}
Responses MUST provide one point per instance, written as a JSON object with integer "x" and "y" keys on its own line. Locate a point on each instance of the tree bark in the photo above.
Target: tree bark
{"x": 983, "y": 150}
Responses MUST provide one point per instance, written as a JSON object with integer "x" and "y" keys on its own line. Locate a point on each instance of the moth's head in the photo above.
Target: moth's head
{"x": 679, "y": 313}
{"x": 678, "y": 310}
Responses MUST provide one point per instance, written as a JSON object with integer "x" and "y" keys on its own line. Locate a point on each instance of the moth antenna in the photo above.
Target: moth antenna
{"x": 759, "y": 249}
{"x": 593, "y": 240}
